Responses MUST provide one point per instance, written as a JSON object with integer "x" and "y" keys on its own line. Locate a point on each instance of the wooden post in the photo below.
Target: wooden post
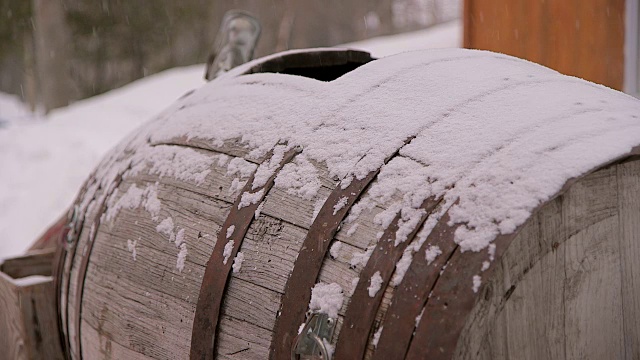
{"x": 28, "y": 320}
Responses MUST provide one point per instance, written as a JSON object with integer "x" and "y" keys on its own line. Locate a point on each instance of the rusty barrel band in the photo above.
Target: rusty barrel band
{"x": 453, "y": 300}
{"x": 58, "y": 267}
{"x": 308, "y": 263}
{"x": 216, "y": 275}
{"x": 307, "y": 266}
{"x": 65, "y": 280}
{"x": 62, "y": 252}
{"x": 359, "y": 318}
{"x": 443, "y": 299}
{"x": 57, "y": 271}
{"x": 412, "y": 293}
{"x": 84, "y": 262}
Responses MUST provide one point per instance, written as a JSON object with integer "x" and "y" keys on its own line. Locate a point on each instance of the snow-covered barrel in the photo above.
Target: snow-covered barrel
{"x": 435, "y": 204}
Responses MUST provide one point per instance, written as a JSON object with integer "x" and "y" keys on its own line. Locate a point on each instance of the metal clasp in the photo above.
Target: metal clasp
{"x": 312, "y": 340}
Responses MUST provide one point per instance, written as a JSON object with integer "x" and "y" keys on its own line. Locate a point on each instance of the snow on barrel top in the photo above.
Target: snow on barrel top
{"x": 492, "y": 135}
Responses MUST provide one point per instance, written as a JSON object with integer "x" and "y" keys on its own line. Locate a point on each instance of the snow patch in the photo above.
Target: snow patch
{"x": 361, "y": 258}
{"x": 374, "y": 284}
{"x": 485, "y": 265}
{"x": 432, "y": 253}
{"x": 342, "y": 202}
{"x": 182, "y": 256}
{"x": 376, "y": 337}
{"x": 477, "y": 281}
{"x": 133, "y": 199}
{"x": 402, "y": 266}
{"x": 299, "y": 178}
{"x": 326, "y": 299}
{"x": 131, "y": 245}
{"x": 31, "y": 280}
{"x": 228, "y": 249}
{"x": 268, "y": 167}
{"x": 241, "y": 167}
{"x": 259, "y": 210}
{"x": 178, "y": 162}
{"x": 335, "y": 248}
{"x": 248, "y": 198}
{"x": 236, "y": 186}
{"x": 166, "y": 228}
{"x": 237, "y": 262}
{"x": 230, "y": 231}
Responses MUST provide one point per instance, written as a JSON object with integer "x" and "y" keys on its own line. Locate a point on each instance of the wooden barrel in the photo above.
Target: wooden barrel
{"x": 435, "y": 204}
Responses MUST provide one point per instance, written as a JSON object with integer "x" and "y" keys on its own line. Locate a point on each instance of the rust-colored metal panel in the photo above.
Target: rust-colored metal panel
{"x": 570, "y": 36}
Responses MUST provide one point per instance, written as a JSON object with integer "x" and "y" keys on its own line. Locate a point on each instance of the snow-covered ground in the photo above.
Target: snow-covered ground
{"x": 440, "y": 36}
{"x": 44, "y": 161}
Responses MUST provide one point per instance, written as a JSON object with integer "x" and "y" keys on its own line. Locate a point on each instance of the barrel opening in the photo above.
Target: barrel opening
{"x": 323, "y": 65}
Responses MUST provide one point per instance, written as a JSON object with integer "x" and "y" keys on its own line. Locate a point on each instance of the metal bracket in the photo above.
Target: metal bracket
{"x": 312, "y": 340}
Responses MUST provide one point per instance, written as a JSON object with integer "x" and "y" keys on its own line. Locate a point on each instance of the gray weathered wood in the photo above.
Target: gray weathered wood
{"x": 28, "y": 318}
{"x": 629, "y": 215}
{"x": 558, "y": 291}
{"x": 35, "y": 262}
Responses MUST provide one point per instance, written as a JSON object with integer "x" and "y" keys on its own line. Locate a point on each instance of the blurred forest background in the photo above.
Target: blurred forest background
{"x": 53, "y": 52}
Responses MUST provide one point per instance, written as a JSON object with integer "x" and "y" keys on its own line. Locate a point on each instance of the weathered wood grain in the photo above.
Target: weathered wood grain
{"x": 593, "y": 303}
{"x": 28, "y": 318}
{"x": 556, "y": 293}
{"x": 629, "y": 232}
{"x": 35, "y": 262}
{"x": 532, "y": 306}
{"x": 11, "y": 322}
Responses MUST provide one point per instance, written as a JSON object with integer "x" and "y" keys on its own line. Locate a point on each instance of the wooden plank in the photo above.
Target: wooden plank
{"x": 533, "y": 312}
{"x": 40, "y": 320}
{"x": 11, "y": 322}
{"x": 28, "y": 320}
{"x": 98, "y": 345}
{"x": 36, "y": 262}
{"x": 592, "y": 290}
{"x": 629, "y": 230}
{"x": 240, "y": 340}
{"x": 590, "y": 200}
{"x": 593, "y": 303}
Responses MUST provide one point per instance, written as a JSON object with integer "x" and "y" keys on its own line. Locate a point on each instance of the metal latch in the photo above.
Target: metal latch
{"x": 314, "y": 337}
